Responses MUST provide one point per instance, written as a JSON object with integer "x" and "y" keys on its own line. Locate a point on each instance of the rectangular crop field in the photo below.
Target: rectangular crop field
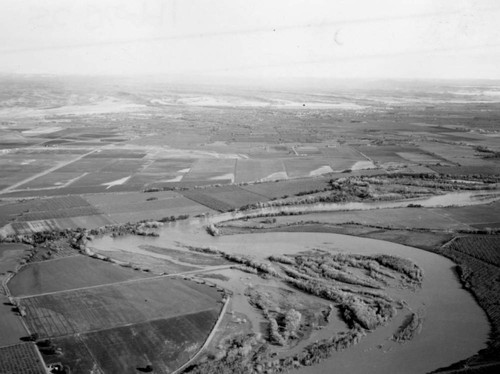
{"x": 21, "y": 358}
{"x": 491, "y": 169}
{"x": 484, "y": 215}
{"x": 88, "y": 222}
{"x": 44, "y": 209}
{"x": 420, "y": 157}
{"x": 300, "y": 167}
{"x": 59, "y": 213}
{"x": 211, "y": 169}
{"x": 169, "y": 166}
{"x": 454, "y": 153}
{"x": 383, "y": 154}
{"x": 276, "y": 190}
{"x": 55, "y": 205}
{"x": 342, "y": 152}
{"x": 166, "y": 344}
{"x": 252, "y": 170}
{"x": 135, "y": 201}
{"x": 484, "y": 248}
{"x": 117, "y": 153}
{"x": 128, "y": 165}
{"x": 66, "y": 274}
{"x": 52, "y": 180}
{"x": 116, "y": 305}
{"x": 224, "y": 198}
{"x": 137, "y": 206}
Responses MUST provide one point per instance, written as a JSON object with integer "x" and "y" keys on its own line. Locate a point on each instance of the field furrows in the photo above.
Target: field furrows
{"x": 21, "y": 358}
{"x": 59, "y": 213}
{"x": 165, "y": 343}
{"x": 97, "y": 308}
{"x": 484, "y": 248}
{"x": 207, "y": 200}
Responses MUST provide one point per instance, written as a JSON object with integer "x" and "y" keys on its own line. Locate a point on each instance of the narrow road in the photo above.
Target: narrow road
{"x": 209, "y": 338}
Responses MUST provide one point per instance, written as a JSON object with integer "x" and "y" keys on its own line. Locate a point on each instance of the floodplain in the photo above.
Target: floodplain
{"x": 174, "y": 228}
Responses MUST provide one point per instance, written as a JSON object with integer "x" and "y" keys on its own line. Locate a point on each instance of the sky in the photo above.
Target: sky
{"x": 257, "y": 39}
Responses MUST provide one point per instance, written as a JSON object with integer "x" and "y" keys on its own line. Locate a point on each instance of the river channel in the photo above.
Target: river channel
{"x": 454, "y": 327}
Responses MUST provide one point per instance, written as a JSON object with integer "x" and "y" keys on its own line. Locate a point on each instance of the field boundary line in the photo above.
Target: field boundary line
{"x": 208, "y": 340}
{"x": 255, "y": 193}
{"x": 362, "y": 154}
{"x": 81, "y": 333}
{"x": 96, "y": 363}
{"x": 449, "y": 242}
{"x": 45, "y": 172}
{"x": 42, "y": 361}
{"x": 180, "y": 275}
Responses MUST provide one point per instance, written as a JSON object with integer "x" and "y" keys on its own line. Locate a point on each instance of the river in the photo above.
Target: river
{"x": 454, "y": 328}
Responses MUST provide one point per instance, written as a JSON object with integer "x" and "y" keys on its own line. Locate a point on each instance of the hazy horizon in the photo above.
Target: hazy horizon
{"x": 257, "y": 41}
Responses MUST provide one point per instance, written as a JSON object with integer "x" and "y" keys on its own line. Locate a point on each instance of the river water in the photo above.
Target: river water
{"x": 454, "y": 327}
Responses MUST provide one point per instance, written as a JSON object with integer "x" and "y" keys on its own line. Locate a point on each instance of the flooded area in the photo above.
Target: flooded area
{"x": 454, "y": 326}
{"x": 446, "y": 200}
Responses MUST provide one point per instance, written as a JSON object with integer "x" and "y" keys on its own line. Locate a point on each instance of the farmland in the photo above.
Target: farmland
{"x": 67, "y": 273}
{"x": 79, "y": 161}
{"x": 10, "y": 324}
{"x": 224, "y": 198}
{"x": 483, "y": 248}
{"x": 21, "y": 358}
{"x": 165, "y": 344}
{"x": 96, "y": 308}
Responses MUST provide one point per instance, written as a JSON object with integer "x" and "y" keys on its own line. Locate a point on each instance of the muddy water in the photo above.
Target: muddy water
{"x": 454, "y": 327}
{"x": 449, "y": 199}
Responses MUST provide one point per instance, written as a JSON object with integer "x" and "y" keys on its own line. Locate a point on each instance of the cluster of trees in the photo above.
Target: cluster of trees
{"x": 174, "y": 218}
{"x": 213, "y": 230}
{"x": 409, "y": 329}
{"x": 282, "y": 325}
{"x": 433, "y": 181}
{"x": 246, "y": 356}
{"x": 251, "y": 263}
{"x": 322, "y": 350}
{"x": 206, "y": 250}
{"x": 401, "y": 265}
{"x": 282, "y": 260}
{"x": 369, "y": 314}
{"x": 241, "y": 355}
